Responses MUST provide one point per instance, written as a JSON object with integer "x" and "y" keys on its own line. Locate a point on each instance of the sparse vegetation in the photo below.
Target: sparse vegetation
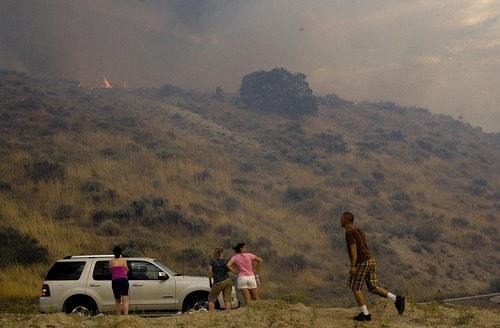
{"x": 19, "y": 248}
{"x": 161, "y": 174}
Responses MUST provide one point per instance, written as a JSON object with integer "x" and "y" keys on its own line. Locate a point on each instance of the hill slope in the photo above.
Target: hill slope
{"x": 173, "y": 177}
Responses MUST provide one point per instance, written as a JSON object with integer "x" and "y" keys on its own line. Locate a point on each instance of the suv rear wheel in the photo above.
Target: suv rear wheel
{"x": 82, "y": 306}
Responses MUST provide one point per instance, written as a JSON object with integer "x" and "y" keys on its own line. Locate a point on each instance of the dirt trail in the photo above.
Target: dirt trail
{"x": 278, "y": 314}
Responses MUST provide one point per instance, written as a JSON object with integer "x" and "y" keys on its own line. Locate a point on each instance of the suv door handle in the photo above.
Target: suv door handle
{"x": 138, "y": 284}
{"x": 95, "y": 285}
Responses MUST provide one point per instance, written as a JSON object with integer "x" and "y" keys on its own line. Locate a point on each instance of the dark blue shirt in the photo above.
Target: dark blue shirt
{"x": 219, "y": 269}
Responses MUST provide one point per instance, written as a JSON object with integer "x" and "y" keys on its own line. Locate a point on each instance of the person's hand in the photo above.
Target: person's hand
{"x": 352, "y": 270}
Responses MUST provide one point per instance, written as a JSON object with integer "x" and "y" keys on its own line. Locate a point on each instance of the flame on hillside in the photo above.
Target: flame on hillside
{"x": 107, "y": 85}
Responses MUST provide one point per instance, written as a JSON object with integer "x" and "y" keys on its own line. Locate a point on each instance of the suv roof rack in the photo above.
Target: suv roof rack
{"x": 87, "y": 256}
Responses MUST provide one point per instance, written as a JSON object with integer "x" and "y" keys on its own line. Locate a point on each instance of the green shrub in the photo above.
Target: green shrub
{"x": 376, "y": 208}
{"x": 190, "y": 256}
{"x": 247, "y": 167}
{"x": 460, "y": 222}
{"x": 202, "y": 176}
{"x": 240, "y": 181}
{"x": 473, "y": 240}
{"x": 5, "y": 186}
{"x": 91, "y": 187}
{"x": 58, "y": 124}
{"x": 231, "y": 204}
{"x": 427, "y": 233}
{"x": 45, "y": 170}
{"x": 294, "y": 263}
{"x": 333, "y": 144}
{"x": 165, "y": 155}
{"x": 329, "y": 227}
{"x": 367, "y": 188}
{"x": 168, "y": 90}
{"x": 109, "y": 228}
{"x": 365, "y": 146}
{"x": 231, "y": 235}
{"x": 297, "y": 194}
{"x": 138, "y": 246}
{"x": 100, "y": 215}
{"x": 107, "y": 152}
{"x": 63, "y": 211}
{"x": 490, "y": 230}
{"x": 401, "y": 201}
{"x": 309, "y": 207}
{"x": 199, "y": 208}
{"x": 378, "y": 176}
{"x": 478, "y": 187}
{"x": 432, "y": 270}
{"x": 495, "y": 285}
{"x": 226, "y": 228}
{"x": 196, "y": 225}
{"x": 263, "y": 247}
{"x": 20, "y": 248}
{"x": 416, "y": 248}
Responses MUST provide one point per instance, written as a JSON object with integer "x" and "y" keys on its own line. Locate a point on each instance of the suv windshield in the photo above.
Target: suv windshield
{"x": 166, "y": 268}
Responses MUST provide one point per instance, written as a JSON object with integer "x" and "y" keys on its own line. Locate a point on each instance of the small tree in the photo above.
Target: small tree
{"x": 278, "y": 91}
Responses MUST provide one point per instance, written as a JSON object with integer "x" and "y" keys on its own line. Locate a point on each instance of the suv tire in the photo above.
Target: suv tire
{"x": 85, "y": 308}
{"x": 196, "y": 302}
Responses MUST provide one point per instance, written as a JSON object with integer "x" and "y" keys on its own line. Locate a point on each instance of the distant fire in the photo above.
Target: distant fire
{"x": 107, "y": 85}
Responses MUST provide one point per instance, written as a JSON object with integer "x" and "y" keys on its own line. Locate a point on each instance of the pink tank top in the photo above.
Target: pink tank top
{"x": 118, "y": 272}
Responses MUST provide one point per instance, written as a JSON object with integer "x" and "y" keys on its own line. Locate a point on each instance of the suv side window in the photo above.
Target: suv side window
{"x": 101, "y": 271}
{"x": 142, "y": 270}
{"x": 65, "y": 271}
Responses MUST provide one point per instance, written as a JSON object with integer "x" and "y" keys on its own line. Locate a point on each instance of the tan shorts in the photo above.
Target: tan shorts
{"x": 365, "y": 271}
{"x": 224, "y": 286}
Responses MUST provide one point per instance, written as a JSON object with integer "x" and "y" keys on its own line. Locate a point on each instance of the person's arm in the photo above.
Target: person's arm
{"x": 210, "y": 275}
{"x": 124, "y": 264}
{"x": 229, "y": 266}
{"x": 353, "y": 256}
{"x": 259, "y": 263}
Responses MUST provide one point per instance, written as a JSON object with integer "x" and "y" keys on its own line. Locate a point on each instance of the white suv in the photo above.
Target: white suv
{"x": 82, "y": 284}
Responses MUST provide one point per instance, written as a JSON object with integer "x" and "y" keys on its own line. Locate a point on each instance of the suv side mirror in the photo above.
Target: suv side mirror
{"x": 162, "y": 275}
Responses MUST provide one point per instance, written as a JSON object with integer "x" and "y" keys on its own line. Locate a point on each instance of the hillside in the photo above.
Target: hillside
{"x": 172, "y": 176}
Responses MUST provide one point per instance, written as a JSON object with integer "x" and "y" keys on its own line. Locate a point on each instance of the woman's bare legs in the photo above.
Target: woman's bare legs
{"x": 118, "y": 306}
{"x": 125, "y": 305}
{"x": 255, "y": 294}
{"x": 246, "y": 295}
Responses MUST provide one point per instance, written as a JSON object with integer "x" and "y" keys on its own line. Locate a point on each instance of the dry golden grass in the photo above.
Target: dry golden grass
{"x": 123, "y": 162}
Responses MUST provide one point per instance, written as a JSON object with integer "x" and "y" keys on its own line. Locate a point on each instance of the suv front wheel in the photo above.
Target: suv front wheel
{"x": 201, "y": 305}
{"x": 196, "y": 302}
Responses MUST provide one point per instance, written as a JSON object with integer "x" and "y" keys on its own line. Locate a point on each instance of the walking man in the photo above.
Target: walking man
{"x": 363, "y": 268}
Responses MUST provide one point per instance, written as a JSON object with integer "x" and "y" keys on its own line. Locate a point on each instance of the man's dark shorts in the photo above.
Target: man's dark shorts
{"x": 120, "y": 287}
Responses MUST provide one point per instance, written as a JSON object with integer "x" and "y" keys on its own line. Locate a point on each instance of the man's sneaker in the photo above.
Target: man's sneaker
{"x": 363, "y": 317}
{"x": 400, "y": 304}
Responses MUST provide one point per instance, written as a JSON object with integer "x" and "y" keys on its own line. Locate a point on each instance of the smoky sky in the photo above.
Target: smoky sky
{"x": 441, "y": 55}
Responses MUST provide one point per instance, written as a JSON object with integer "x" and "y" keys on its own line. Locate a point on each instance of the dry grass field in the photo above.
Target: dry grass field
{"x": 173, "y": 177}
